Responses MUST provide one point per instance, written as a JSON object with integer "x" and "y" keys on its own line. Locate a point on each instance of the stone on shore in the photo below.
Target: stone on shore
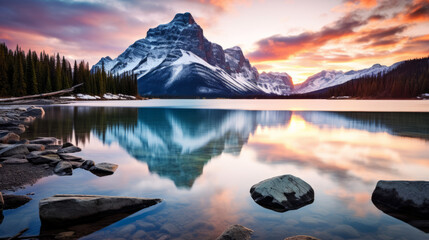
{"x": 1, "y": 202}
{"x": 405, "y": 200}
{"x": 69, "y": 209}
{"x": 44, "y": 140}
{"x": 67, "y": 144}
{"x": 15, "y": 201}
{"x": 103, "y": 169}
{"x": 35, "y": 147}
{"x": 301, "y": 237}
{"x": 282, "y": 193}
{"x": 63, "y": 168}
{"x": 71, "y": 149}
{"x": 14, "y": 150}
{"x": 6, "y": 136}
{"x": 88, "y": 164}
{"x": 236, "y": 232}
{"x": 52, "y": 147}
{"x": 34, "y": 112}
{"x": 48, "y": 158}
{"x": 70, "y": 158}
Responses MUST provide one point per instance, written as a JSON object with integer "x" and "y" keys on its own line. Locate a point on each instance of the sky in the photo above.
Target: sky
{"x": 300, "y": 37}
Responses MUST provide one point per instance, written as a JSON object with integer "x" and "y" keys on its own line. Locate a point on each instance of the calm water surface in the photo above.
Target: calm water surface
{"x": 202, "y": 162}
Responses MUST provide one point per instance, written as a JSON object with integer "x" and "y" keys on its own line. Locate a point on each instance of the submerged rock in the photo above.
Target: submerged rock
{"x": 63, "y": 168}
{"x": 404, "y": 200}
{"x": 71, "y": 149}
{"x": 69, "y": 209}
{"x": 15, "y": 201}
{"x": 14, "y": 150}
{"x": 236, "y": 232}
{"x": 103, "y": 169}
{"x": 282, "y": 193}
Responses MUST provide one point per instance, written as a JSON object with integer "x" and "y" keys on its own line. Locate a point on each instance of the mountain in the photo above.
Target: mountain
{"x": 276, "y": 83}
{"x": 176, "y": 60}
{"x": 329, "y": 78}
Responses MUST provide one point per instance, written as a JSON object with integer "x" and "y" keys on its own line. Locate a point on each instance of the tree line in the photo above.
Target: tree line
{"x": 408, "y": 80}
{"x": 32, "y": 73}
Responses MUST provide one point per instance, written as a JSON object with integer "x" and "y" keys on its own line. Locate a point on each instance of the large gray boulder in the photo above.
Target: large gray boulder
{"x": 405, "y": 200}
{"x": 63, "y": 168}
{"x": 14, "y": 150}
{"x": 102, "y": 169}
{"x": 282, "y": 193}
{"x": 65, "y": 209}
{"x": 236, "y": 232}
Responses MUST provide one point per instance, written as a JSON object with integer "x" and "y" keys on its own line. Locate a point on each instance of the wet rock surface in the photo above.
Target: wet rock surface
{"x": 236, "y": 232}
{"x": 103, "y": 169}
{"x": 15, "y": 201}
{"x": 404, "y": 200}
{"x": 282, "y": 193}
{"x": 71, "y": 209}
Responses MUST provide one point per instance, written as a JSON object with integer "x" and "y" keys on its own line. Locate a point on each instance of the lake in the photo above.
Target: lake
{"x": 202, "y": 156}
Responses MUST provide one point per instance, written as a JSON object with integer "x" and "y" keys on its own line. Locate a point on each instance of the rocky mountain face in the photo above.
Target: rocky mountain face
{"x": 275, "y": 82}
{"x": 175, "y": 59}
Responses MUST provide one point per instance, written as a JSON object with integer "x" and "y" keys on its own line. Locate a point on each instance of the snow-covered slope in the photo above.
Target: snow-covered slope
{"x": 276, "y": 83}
{"x": 329, "y": 78}
{"x": 175, "y": 59}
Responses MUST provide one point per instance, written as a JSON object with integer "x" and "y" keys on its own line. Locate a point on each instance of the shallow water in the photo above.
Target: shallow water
{"x": 202, "y": 163}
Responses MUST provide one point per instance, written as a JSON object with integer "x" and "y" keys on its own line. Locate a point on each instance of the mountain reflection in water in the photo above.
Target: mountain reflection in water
{"x": 177, "y": 143}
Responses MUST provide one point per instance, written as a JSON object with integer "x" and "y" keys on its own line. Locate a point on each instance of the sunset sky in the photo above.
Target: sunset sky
{"x": 300, "y": 37}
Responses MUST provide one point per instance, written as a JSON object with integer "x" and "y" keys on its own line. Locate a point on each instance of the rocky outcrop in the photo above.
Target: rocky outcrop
{"x": 405, "y": 200}
{"x": 236, "y": 232}
{"x": 69, "y": 209}
{"x": 282, "y": 193}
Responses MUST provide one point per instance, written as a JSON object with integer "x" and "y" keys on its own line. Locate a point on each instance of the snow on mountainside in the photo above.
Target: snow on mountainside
{"x": 277, "y": 83}
{"x": 175, "y": 59}
{"x": 329, "y": 78}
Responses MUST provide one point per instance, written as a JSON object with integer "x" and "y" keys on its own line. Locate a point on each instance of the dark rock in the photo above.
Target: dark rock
{"x": 69, "y": 209}
{"x": 16, "y": 128}
{"x": 44, "y": 140}
{"x": 71, "y": 149}
{"x": 1, "y": 202}
{"x": 301, "y": 237}
{"x": 103, "y": 169}
{"x": 35, "y": 147}
{"x": 14, "y": 150}
{"x": 7, "y": 137}
{"x": 404, "y": 200}
{"x": 63, "y": 168}
{"x": 70, "y": 158}
{"x": 34, "y": 112}
{"x": 67, "y": 144}
{"x": 236, "y": 232}
{"x": 282, "y": 193}
{"x": 75, "y": 164}
{"x": 88, "y": 164}
{"x": 15, "y": 201}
